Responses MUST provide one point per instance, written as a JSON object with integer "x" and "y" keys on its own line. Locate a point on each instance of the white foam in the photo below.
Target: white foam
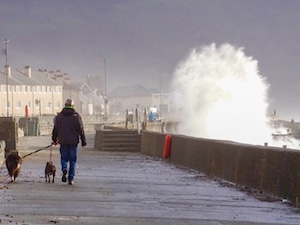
{"x": 219, "y": 94}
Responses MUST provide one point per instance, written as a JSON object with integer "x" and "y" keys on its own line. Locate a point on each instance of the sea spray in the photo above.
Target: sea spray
{"x": 219, "y": 94}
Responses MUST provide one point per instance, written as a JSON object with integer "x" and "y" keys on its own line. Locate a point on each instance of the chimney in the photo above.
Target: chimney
{"x": 27, "y": 70}
{"x": 8, "y": 70}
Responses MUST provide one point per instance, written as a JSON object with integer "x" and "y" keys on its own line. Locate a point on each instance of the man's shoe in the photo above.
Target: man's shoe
{"x": 64, "y": 178}
{"x": 71, "y": 182}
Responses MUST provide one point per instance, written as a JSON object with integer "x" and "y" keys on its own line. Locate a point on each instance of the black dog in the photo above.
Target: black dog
{"x": 50, "y": 170}
{"x": 13, "y": 164}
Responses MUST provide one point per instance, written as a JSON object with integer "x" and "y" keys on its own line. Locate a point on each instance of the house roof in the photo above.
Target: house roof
{"x": 71, "y": 86}
{"x": 77, "y": 84}
{"x": 85, "y": 88}
{"x": 132, "y": 90}
{"x": 19, "y": 78}
{"x": 10, "y": 80}
{"x": 43, "y": 79}
{"x": 22, "y": 78}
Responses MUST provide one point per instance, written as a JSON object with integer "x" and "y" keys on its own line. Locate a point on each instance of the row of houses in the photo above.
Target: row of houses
{"x": 42, "y": 92}
{"x": 130, "y": 97}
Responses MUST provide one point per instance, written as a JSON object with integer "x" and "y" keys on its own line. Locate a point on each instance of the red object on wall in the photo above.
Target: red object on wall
{"x": 167, "y": 146}
{"x": 26, "y": 111}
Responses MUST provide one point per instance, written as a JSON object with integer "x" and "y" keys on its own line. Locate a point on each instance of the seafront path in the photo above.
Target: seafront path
{"x": 127, "y": 188}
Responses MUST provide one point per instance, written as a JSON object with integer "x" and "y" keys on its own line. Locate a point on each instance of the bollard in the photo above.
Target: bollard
{"x": 167, "y": 146}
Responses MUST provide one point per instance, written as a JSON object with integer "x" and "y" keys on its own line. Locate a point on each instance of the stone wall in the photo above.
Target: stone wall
{"x": 9, "y": 133}
{"x": 35, "y": 126}
{"x": 2, "y": 152}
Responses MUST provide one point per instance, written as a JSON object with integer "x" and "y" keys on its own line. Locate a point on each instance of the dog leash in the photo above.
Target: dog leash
{"x": 38, "y": 151}
{"x": 50, "y": 154}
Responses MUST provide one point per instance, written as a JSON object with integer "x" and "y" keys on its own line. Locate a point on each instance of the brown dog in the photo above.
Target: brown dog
{"x": 50, "y": 170}
{"x": 13, "y": 164}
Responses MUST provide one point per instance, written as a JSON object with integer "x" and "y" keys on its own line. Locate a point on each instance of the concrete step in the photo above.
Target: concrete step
{"x": 119, "y": 134}
{"x": 121, "y": 145}
{"x": 123, "y": 149}
{"x": 122, "y": 140}
{"x": 119, "y": 140}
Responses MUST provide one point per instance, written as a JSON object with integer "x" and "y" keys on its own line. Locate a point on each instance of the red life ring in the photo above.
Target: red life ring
{"x": 167, "y": 146}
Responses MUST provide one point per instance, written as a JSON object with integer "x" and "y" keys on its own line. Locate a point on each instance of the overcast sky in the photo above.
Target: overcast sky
{"x": 139, "y": 38}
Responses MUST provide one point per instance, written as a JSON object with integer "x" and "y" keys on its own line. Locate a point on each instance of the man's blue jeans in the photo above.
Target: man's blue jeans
{"x": 68, "y": 154}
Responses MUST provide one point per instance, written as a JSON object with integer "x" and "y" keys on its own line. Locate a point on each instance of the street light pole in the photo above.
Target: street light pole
{"x": 160, "y": 93}
{"x": 6, "y": 71}
{"x": 105, "y": 92}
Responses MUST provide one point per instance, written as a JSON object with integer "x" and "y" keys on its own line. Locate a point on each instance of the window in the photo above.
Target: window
{"x": 18, "y": 104}
{"x": 37, "y": 103}
{"x": 57, "y": 105}
{"x": 47, "y": 104}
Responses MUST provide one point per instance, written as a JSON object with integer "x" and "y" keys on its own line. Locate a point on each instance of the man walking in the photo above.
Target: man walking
{"x": 67, "y": 129}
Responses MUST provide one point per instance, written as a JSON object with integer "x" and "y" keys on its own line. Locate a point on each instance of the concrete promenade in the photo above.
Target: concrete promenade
{"x": 127, "y": 188}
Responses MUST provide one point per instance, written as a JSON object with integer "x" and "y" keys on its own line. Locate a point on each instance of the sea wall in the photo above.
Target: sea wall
{"x": 271, "y": 170}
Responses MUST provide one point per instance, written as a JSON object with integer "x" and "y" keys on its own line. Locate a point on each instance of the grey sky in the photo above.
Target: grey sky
{"x": 138, "y": 38}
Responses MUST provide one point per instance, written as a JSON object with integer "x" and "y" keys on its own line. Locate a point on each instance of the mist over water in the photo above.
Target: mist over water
{"x": 219, "y": 94}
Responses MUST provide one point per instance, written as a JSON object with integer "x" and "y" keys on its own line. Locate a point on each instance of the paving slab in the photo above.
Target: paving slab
{"x": 127, "y": 188}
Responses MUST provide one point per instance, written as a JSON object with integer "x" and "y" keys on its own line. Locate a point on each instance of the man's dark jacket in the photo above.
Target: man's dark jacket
{"x": 68, "y": 127}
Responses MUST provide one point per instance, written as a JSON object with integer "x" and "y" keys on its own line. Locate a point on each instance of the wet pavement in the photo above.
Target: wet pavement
{"x": 127, "y": 188}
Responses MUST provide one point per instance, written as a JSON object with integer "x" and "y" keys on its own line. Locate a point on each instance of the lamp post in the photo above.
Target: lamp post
{"x": 105, "y": 92}
{"x": 6, "y": 71}
{"x": 160, "y": 92}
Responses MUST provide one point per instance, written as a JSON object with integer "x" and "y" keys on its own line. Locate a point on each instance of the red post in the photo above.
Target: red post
{"x": 26, "y": 111}
{"x": 167, "y": 146}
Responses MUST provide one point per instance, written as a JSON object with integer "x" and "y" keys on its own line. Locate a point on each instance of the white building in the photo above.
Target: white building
{"x": 92, "y": 102}
{"x": 128, "y": 97}
{"x": 88, "y": 100}
{"x": 33, "y": 90}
